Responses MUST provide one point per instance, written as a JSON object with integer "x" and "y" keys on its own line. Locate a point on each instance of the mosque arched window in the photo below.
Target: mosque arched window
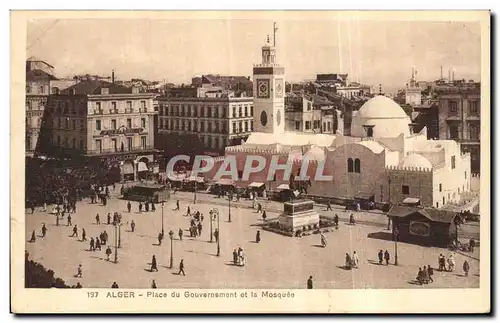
{"x": 357, "y": 165}
{"x": 350, "y": 165}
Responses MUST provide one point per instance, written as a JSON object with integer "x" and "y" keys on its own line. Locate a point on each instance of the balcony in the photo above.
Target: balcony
{"x": 108, "y": 152}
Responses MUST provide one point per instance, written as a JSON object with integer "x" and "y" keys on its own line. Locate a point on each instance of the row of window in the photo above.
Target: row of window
{"x": 98, "y": 124}
{"x": 353, "y": 166}
{"x": 474, "y": 131}
{"x": 114, "y": 147}
{"x": 205, "y": 112}
{"x": 473, "y": 106}
{"x": 193, "y": 126}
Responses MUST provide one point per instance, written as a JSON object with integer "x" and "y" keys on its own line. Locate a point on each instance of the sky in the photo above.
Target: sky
{"x": 372, "y": 52}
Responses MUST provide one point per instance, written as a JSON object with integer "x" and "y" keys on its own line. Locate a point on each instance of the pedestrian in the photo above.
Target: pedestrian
{"x": 310, "y": 282}
{"x": 177, "y": 206}
{"x": 79, "y": 272}
{"x": 44, "y": 230}
{"x": 472, "y": 244}
{"x": 387, "y": 257}
{"x": 430, "y": 272}
{"x": 241, "y": 257}
{"x": 181, "y": 268}
{"x": 109, "y": 218}
{"x": 188, "y": 211}
{"x": 153, "y": 284}
{"x": 425, "y": 275}
{"x": 328, "y": 206}
{"x": 129, "y": 207}
{"x": 355, "y": 260}
{"x": 348, "y": 261}
{"x": 75, "y": 231}
{"x": 108, "y": 252}
{"x": 451, "y": 263}
{"x": 140, "y": 207}
{"x": 257, "y": 236}
{"x": 44, "y": 207}
{"x": 336, "y": 221}
{"x": 33, "y": 237}
{"x": 216, "y": 235}
{"x": 420, "y": 276}
{"x": 78, "y": 285}
{"x": 132, "y": 226}
{"x": 259, "y": 208}
{"x": 323, "y": 240}
{"x": 466, "y": 268}
{"x": 92, "y": 248}
{"x": 69, "y": 220}
{"x": 160, "y": 238}
{"x": 180, "y": 234}
{"x": 200, "y": 227}
{"x": 84, "y": 235}
{"x": 97, "y": 244}
{"x": 146, "y": 206}
{"x": 97, "y": 220}
{"x": 153, "y": 207}
{"x": 264, "y": 216}
{"x": 441, "y": 263}
{"x": 105, "y": 236}
{"x": 351, "y": 220}
{"x": 115, "y": 285}
{"x": 380, "y": 257}
{"x": 154, "y": 265}
{"x": 235, "y": 256}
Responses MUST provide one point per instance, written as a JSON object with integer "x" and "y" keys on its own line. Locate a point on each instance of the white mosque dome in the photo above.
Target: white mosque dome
{"x": 315, "y": 153}
{"x": 416, "y": 161}
{"x": 386, "y": 118}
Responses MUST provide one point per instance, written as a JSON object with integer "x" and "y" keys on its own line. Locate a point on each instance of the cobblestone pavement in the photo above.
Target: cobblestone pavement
{"x": 276, "y": 262}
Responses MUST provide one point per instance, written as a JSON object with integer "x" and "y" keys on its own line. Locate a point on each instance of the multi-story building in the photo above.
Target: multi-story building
{"x": 459, "y": 113}
{"x": 216, "y": 122}
{"x": 104, "y": 121}
{"x": 38, "y": 82}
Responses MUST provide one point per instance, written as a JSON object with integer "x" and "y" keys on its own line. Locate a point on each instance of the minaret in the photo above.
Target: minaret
{"x": 413, "y": 93}
{"x": 269, "y": 91}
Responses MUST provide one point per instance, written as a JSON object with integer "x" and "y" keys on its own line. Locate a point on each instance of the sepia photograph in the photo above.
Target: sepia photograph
{"x": 205, "y": 155}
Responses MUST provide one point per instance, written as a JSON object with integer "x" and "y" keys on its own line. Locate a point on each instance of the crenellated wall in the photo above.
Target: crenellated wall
{"x": 418, "y": 180}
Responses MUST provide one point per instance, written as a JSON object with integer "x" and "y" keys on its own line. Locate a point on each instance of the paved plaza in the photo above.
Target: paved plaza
{"x": 276, "y": 262}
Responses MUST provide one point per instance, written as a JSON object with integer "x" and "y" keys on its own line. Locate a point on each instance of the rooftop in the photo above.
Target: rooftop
{"x": 432, "y": 214}
{"x": 93, "y": 87}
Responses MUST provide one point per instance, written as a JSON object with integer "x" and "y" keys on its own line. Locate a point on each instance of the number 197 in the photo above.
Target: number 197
{"x": 92, "y": 294}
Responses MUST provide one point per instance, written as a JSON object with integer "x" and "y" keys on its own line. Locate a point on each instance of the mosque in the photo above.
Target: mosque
{"x": 382, "y": 160}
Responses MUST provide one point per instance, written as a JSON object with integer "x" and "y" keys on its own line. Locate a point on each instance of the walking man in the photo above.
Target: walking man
{"x": 216, "y": 235}
{"x": 97, "y": 220}
{"x": 387, "y": 257}
{"x": 129, "y": 207}
{"x": 92, "y": 248}
{"x": 97, "y": 244}
{"x": 257, "y": 236}
{"x": 310, "y": 282}
{"x": 264, "y": 216}
{"x": 160, "y": 238}
{"x": 108, "y": 252}
{"x": 69, "y": 220}
{"x": 188, "y": 211}
{"x": 430, "y": 271}
{"x": 336, "y": 221}
{"x": 177, "y": 206}
{"x": 132, "y": 226}
{"x": 79, "y": 272}
{"x": 109, "y": 218}
{"x": 380, "y": 257}
{"x": 181, "y": 268}
{"x": 180, "y": 234}
{"x": 84, "y": 235}
{"x": 328, "y": 206}
{"x": 75, "y": 231}
{"x": 466, "y": 268}
{"x": 355, "y": 260}
{"x": 44, "y": 230}
{"x": 154, "y": 265}
{"x": 200, "y": 227}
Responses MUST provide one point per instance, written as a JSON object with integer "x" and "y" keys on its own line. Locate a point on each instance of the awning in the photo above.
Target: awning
{"x": 225, "y": 182}
{"x": 142, "y": 167}
{"x": 197, "y": 179}
{"x": 256, "y": 184}
{"x": 411, "y": 200}
{"x": 283, "y": 187}
{"x": 127, "y": 168}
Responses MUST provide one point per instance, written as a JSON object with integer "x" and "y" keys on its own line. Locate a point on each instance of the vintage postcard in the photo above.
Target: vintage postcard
{"x": 250, "y": 162}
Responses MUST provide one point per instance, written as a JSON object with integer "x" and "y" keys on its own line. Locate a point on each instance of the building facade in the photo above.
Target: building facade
{"x": 459, "y": 113}
{"x": 302, "y": 114}
{"x": 216, "y": 122}
{"x": 104, "y": 121}
{"x": 38, "y": 87}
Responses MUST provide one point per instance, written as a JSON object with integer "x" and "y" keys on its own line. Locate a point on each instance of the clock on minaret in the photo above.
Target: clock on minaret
{"x": 263, "y": 89}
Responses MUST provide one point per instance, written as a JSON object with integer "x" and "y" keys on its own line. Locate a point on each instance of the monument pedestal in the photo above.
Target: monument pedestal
{"x": 299, "y": 215}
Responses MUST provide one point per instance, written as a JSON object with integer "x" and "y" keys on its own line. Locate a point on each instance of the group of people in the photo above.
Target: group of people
{"x": 238, "y": 257}
{"x": 351, "y": 261}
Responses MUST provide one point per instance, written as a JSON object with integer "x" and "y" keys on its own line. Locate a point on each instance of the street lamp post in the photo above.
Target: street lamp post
{"x": 211, "y": 230}
{"x": 396, "y": 233}
{"x": 171, "y": 234}
{"x": 119, "y": 235}
{"x": 57, "y": 219}
{"x": 218, "y": 232}
{"x": 230, "y": 198}
{"x": 162, "y": 225}
{"x": 116, "y": 245}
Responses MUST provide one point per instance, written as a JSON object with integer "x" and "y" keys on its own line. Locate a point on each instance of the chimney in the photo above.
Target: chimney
{"x": 113, "y": 76}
